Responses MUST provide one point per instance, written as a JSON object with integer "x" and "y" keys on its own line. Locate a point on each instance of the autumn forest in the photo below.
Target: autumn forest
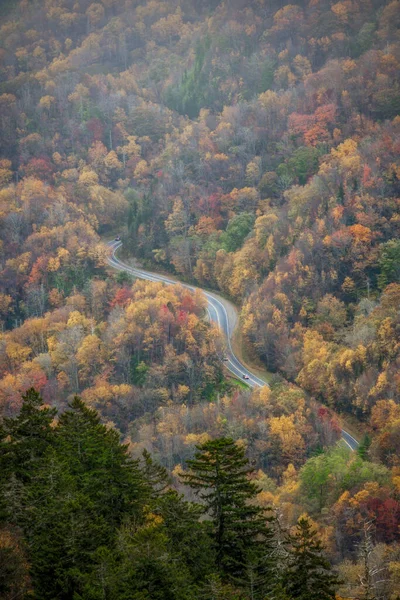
{"x": 249, "y": 147}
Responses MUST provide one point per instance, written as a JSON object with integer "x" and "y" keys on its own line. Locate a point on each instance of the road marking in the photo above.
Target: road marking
{"x": 346, "y": 442}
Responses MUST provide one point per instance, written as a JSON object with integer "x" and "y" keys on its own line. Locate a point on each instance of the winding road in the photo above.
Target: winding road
{"x": 221, "y": 312}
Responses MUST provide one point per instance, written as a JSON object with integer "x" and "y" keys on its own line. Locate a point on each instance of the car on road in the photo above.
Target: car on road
{"x": 246, "y": 377}
{"x": 225, "y": 358}
{"x": 118, "y": 238}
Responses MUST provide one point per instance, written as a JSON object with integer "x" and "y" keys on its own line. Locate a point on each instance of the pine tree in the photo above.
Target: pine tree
{"x": 309, "y": 576}
{"x": 146, "y": 568}
{"x": 219, "y": 474}
{"x": 62, "y": 530}
{"x": 215, "y": 589}
{"x": 155, "y": 475}
{"x": 187, "y": 534}
{"x": 79, "y": 485}
{"x": 14, "y": 580}
{"x": 100, "y": 465}
{"x": 25, "y": 438}
{"x": 274, "y": 563}
{"x": 363, "y": 448}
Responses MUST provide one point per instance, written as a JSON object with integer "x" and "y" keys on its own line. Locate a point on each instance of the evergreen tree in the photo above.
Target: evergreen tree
{"x": 389, "y": 263}
{"x": 62, "y": 531}
{"x": 363, "y": 448}
{"x": 187, "y": 534}
{"x": 309, "y": 576}
{"x": 13, "y": 576}
{"x": 266, "y": 575}
{"x": 219, "y": 474}
{"x": 26, "y": 438}
{"x": 70, "y": 488}
{"x": 100, "y": 465}
{"x": 155, "y": 475}
{"x": 215, "y": 589}
{"x": 146, "y": 568}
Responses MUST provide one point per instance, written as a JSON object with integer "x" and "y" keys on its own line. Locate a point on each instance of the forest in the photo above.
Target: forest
{"x": 245, "y": 146}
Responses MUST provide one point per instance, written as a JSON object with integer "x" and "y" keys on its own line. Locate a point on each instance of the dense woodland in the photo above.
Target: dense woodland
{"x": 249, "y": 146}
{"x": 98, "y": 524}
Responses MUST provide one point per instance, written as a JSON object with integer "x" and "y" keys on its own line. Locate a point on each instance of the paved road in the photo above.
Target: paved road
{"x": 349, "y": 440}
{"x": 218, "y": 313}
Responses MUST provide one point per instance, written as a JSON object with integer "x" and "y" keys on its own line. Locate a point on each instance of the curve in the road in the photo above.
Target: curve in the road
{"x": 218, "y": 313}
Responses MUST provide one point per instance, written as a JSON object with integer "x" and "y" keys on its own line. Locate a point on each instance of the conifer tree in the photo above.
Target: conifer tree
{"x": 155, "y": 475}
{"x": 219, "y": 474}
{"x": 146, "y": 568}
{"x": 187, "y": 534}
{"x": 215, "y": 589}
{"x": 309, "y": 576}
{"x": 26, "y": 438}
{"x": 78, "y": 485}
{"x": 100, "y": 465}
{"x": 265, "y": 574}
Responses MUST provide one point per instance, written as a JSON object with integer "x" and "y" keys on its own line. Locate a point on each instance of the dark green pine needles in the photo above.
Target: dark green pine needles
{"x": 219, "y": 473}
{"x": 309, "y": 576}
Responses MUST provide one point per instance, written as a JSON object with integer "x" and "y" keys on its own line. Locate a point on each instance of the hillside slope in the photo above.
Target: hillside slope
{"x": 245, "y": 146}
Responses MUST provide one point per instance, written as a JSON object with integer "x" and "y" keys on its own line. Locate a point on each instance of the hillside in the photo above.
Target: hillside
{"x": 250, "y": 147}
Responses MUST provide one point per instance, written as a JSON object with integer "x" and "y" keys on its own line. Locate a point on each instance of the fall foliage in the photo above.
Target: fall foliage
{"x": 247, "y": 147}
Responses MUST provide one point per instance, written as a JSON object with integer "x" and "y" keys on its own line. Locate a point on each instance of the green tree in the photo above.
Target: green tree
{"x": 215, "y": 589}
{"x": 237, "y": 230}
{"x": 187, "y": 534}
{"x": 303, "y": 163}
{"x": 101, "y": 466}
{"x": 266, "y": 79}
{"x": 363, "y": 448}
{"x": 123, "y": 278}
{"x": 219, "y": 474}
{"x": 155, "y": 475}
{"x": 14, "y": 582}
{"x": 194, "y": 91}
{"x": 315, "y": 478}
{"x": 364, "y": 39}
{"x": 389, "y": 263}
{"x": 72, "y": 488}
{"x": 25, "y": 439}
{"x": 324, "y": 477}
{"x": 309, "y": 576}
{"x": 147, "y": 569}
{"x": 62, "y": 530}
